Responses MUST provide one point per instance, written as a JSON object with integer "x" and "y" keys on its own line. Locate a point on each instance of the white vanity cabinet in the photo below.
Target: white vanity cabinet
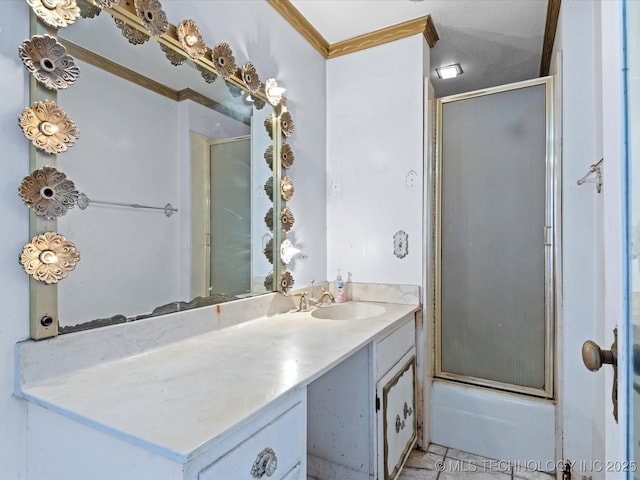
{"x": 269, "y": 446}
{"x": 278, "y": 398}
{"x": 275, "y": 452}
{"x": 363, "y": 426}
{"x": 396, "y": 422}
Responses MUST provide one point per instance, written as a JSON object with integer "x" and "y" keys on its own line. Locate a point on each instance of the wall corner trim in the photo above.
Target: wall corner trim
{"x": 291, "y": 14}
{"x": 430, "y": 33}
{"x": 553, "y": 12}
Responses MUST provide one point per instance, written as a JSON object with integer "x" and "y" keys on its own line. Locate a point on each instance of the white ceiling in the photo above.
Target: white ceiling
{"x": 495, "y": 41}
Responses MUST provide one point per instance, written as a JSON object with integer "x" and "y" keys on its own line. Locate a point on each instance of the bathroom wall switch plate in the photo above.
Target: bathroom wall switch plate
{"x": 400, "y": 244}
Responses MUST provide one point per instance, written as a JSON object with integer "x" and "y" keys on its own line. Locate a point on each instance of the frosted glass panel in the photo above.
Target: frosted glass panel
{"x": 492, "y": 237}
{"x": 230, "y": 210}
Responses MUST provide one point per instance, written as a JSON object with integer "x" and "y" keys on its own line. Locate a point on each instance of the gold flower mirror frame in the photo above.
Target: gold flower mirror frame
{"x": 44, "y": 297}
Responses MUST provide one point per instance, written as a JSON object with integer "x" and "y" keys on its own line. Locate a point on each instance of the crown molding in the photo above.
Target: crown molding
{"x": 385, "y": 35}
{"x": 291, "y": 14}
{"x": 553, "y": 12}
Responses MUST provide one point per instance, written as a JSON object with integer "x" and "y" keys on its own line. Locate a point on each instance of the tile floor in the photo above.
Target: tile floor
{"x": 442, "y": 463}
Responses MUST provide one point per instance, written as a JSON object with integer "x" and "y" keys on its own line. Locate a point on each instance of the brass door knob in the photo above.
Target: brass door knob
{"x": 594, "y": 357}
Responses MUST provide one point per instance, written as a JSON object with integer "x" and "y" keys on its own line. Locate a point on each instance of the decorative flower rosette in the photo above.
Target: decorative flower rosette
{"x": 250, "y": 77}
{"x": 268, "y": 281}
{"x": 258, "y": 103}
{"x": 106, "y": 3}
{"x": 135, "y": 36}
{"x": 48, "y": 127}
{"x": 49, "y": 257}
{"x": 286, "y": 124}
{"x": 174, "y": 57}
{"x": 48, "y": 192}
{"x": 268, "y": 250}
{"x": 55, "y": 13}
{"x": 223, "y": 60}
{"x": 268, "y": 219}
{"x": 88, "y": 10}
{"x": 286, "y": 281}
{"x": 206, "y": 74}
{"x": 286, "y": 155}
{"x": 152, "y": 16}
{"x": 286, "y": 219}
{"x": 268, "y": 188}
{"x": 191, "y": 39}
{"x": 268, "y": 156}
{"x": 286, "y": 188}
{"x": 48, "y": 61}
{"x": 268, "y": 125}
{"x": 236, "y": 92}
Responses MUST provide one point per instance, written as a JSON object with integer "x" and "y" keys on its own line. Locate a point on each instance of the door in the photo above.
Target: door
{"x": 230, "y": 222}
{"x": 495, "y": 303}
{"x": 494, "y": 250}
{"x": 611, "y": 451}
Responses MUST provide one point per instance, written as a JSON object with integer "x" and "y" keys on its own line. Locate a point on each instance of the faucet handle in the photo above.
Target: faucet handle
{"x": 304, "y": 303}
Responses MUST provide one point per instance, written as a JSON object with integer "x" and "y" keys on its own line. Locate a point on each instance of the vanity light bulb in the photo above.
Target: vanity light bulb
{"x": 48, "y": 257}
{"x": 277, "y": 91}
{"x": 288, "y": 251}
{"x": 273, "y": 91}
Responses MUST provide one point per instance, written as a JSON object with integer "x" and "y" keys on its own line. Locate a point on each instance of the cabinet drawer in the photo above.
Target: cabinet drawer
{"x": 285, "y": 436}
{"x": 393, "y": 347}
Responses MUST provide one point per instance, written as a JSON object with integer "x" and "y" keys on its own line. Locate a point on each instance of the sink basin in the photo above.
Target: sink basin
{"x": 348, "y": 311}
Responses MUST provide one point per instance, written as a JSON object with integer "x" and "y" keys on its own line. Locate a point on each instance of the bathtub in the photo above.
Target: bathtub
{"x": 494, "y": 424}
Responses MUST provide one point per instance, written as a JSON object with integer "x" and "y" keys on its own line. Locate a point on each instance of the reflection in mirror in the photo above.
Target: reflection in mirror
{"x": 153, "y": 133}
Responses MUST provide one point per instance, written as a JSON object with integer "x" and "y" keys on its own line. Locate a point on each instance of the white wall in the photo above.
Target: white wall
{"x": 14, "y": 326}
{"x": 374, "y": 140}
{"x": 255, "y": 31}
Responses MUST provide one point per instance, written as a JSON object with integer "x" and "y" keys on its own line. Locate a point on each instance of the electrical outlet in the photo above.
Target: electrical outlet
{"x": 336, "y": 188}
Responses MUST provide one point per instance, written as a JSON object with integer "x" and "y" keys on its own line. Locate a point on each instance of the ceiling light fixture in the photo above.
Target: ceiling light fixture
{"x": 450, "y": 71}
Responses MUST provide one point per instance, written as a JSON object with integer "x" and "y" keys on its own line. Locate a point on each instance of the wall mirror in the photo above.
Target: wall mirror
{"x": 162, "y": 131}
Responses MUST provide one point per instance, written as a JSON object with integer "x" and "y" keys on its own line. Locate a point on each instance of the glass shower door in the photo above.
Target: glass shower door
{"x": 494, "y": 258}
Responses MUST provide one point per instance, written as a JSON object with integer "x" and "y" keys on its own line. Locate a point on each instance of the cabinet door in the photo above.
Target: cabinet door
{"x": 398, "y": 416}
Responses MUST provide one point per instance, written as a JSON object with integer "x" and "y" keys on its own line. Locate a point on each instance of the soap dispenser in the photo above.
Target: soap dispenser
{"x": 341, "y": 295}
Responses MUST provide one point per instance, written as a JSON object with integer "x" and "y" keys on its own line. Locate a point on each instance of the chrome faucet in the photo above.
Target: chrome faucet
{"x": 326, "y": 296}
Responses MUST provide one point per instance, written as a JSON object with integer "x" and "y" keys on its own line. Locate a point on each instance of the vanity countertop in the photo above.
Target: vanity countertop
{"x": 180, "y": 399}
